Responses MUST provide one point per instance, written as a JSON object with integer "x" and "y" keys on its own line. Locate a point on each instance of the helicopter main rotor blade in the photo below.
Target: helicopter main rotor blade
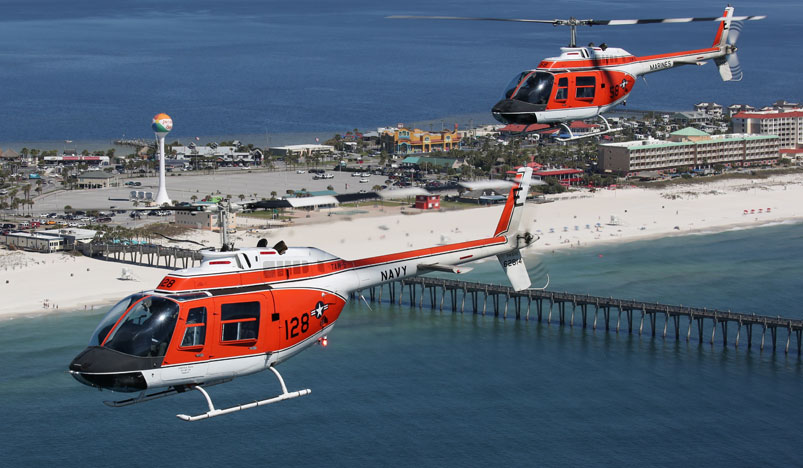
{"x": 627, "y": 22}
{"x": 586, "y": 22}
{"x": 464, "y": 18}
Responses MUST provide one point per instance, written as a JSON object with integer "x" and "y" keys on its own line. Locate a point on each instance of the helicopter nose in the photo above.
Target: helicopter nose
{"x": 101, "y": 367}
{"x": 512, "y": 111}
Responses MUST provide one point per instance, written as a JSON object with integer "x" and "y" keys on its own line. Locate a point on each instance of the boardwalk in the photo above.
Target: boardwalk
{"x": 148, "y": 255}
{"x": 612, "y": 314}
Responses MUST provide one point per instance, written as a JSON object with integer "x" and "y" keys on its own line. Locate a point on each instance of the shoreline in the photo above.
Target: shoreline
{"x": 577, "y": 220}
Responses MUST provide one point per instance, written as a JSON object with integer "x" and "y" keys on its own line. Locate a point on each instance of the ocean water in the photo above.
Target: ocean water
{"x": 399, "y": 386}
{"x": 97, "y": 70}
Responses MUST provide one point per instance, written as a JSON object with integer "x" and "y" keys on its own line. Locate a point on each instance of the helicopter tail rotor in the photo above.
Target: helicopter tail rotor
{"x": 727, "y": 34}
{"x": 729, "y": 68}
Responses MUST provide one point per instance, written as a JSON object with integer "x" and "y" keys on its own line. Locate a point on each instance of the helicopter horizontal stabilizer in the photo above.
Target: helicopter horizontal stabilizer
{"x": 515, "y": 269}
{"x": 444, "y": 268}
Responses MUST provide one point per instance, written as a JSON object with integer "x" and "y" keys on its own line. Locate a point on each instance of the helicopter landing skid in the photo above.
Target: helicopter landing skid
{"x": 285, "y": 395}
{"x": 573, "y": 137}
{"x": 142, "y": 397}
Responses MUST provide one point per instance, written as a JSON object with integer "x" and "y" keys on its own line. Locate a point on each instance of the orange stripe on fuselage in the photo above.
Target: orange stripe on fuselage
{"x": 371, "y": 261}
{"x": 308, "y": 271}
{"x": 617, "y": 61}
{"x": 504, "y": 221}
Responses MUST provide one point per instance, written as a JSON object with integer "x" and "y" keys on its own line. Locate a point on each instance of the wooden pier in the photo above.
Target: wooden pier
{"x": 612, "y": 314}
{"x": 148, "y": 255}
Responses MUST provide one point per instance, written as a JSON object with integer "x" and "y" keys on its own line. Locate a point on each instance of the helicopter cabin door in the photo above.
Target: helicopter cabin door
{"x": 188, "y": 356}
{"x": 242, "y": 335}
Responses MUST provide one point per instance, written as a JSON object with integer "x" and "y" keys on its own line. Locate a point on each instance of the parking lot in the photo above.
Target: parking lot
{"x": 181, "y": 186}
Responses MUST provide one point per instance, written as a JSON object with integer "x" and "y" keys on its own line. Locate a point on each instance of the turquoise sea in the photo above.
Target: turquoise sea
{"x": 399, "y": 386}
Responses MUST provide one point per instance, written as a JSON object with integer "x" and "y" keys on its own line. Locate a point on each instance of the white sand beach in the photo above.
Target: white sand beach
{"x": 32, "y": 283}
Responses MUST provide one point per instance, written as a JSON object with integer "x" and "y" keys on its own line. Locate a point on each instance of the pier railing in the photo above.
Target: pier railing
{"x": 585, "y": 310}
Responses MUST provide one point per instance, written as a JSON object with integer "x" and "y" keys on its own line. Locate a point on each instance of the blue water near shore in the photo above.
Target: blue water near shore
{"x": 400, "y": 386}
{"x": 97, "y": 70}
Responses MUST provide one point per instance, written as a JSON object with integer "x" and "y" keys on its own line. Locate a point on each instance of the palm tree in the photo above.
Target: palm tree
{"x": 194, "y": 198}
{"x": 241, "y": 197}
{"x": 273, "y": 194}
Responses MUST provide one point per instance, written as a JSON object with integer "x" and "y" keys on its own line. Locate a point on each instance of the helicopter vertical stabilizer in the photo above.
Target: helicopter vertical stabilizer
{"x": 724, "y": 26}
{"x": 511, "y": 215}
{"x": 512, "y": 262}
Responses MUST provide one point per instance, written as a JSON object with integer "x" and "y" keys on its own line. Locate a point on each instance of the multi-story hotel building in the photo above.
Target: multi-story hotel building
{"x": 689, "y": 148}
{"x": 787, "y": 124}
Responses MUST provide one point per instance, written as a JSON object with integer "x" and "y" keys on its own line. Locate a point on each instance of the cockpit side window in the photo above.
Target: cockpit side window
{"x": 240, "y": 321}
{"x": 195, "y": 331}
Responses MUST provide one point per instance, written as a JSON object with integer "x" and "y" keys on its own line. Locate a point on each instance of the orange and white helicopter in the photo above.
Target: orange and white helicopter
{"x": 248, "y": 310}
{"x": 585, "y": 82}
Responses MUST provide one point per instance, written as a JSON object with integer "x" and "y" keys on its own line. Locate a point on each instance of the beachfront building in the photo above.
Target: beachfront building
{"x": 787, "y": 124}
{"x": 565, "y": 176}
{"x": 303, "y": 151}
{"x": 32, "y": 241}
{"x": 426, "y": 164}
{"x": 9, "y": 156}
{"x": 428, "y": 202}
{"x": 206, "y": 220}
{"x": 734, "y": 109}
{"x": 690, "y": 148}
{"x": 69, "y": 158}
{"x": 97, "y": 179}
{"x": 710, "y": 109}
{"x": 220, "y": 154}
{"x": 70, "y": 236}
{"x": 403, "y": 140}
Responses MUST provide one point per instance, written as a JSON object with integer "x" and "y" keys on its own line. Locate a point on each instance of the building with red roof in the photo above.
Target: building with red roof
{"x": 786, "y": 124}
{"x": 565, "y": 176}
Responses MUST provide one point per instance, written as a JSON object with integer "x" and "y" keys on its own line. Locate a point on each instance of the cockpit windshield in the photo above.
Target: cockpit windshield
{"x": 111, "y": 318}
{"x": 146, "y": 329}
{"x": 514, "y": 84}
{"x": 532, "y": 87}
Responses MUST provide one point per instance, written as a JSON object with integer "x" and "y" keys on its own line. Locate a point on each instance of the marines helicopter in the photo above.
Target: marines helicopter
{"x": 246, "y": 310}
{"x": 585, "y": 82}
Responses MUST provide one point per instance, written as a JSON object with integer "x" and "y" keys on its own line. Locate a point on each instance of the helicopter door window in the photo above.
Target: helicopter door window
{"x": 585, "y": 87}
{"x": 563, "y": 89}
{"x": 196, "y": 328}
{"x": 240, "y": 321}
